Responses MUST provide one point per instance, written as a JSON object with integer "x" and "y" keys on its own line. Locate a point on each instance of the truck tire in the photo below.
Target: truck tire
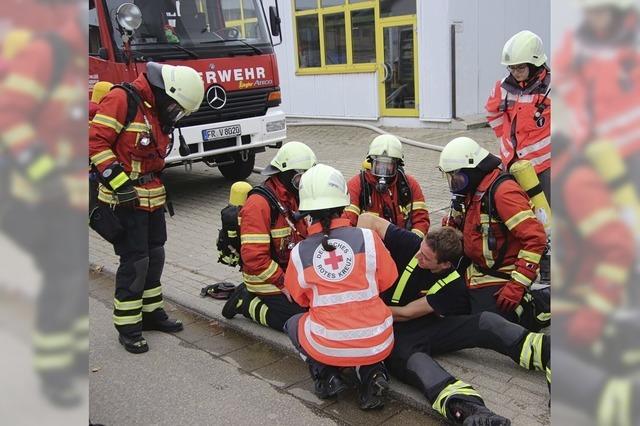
{"x": 239, "y": 170}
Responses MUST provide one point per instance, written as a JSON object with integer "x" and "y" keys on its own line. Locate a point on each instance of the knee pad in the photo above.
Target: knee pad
{"x": 503, "y": 330}
{"x": 141, "y": 267}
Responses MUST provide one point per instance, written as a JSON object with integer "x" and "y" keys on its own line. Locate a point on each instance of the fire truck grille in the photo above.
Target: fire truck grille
{"x": 240, "y": 104}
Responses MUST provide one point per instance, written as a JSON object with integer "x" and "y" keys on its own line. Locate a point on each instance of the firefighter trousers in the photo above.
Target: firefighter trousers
{"x": 319, "y": 370}
{"x": 138, "y": 293}
{"x": 533, "y": 313}
{"x": 271, "y": 311}
{"x": 48, "y": 232}
{"x": 416, "y": 341}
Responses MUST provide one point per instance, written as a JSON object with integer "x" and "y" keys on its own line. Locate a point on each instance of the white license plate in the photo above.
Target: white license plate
{"x": 221, "y": 132}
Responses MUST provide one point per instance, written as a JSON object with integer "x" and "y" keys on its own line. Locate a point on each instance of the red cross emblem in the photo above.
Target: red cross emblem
{"x": 333, "y": 260}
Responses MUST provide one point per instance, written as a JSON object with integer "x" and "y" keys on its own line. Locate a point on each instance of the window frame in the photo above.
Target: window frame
{"x": 346, "y": 9}
{"x": 242, "y": 21}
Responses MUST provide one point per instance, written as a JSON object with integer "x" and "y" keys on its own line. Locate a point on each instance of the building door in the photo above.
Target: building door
{"x": 398, "y": 74}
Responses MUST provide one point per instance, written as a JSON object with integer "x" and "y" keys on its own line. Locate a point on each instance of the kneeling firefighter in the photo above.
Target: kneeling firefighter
{"x": 131, "y": 195}
{"x": 503, "y": 239}
{"x": 338, "y": 273}
{"x": 269, "y": 228}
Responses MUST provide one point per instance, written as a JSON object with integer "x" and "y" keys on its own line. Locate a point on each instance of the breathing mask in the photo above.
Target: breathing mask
{"x": 384, "y": 169}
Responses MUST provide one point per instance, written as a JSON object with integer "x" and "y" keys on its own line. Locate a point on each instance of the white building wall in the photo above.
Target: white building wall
{"x": 482, "y": 28}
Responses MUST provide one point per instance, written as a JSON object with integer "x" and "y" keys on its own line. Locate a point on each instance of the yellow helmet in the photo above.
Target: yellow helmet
{"x": 524, "y": 47}
{"x": 183, "y": 84}
{"x": 461, "y": 153}
{"x": 291, "y": 156}
{"x": 323, "y": 187}
{"x": 387, "y": 146}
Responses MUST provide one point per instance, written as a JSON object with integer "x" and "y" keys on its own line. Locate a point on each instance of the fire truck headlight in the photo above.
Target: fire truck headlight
{"x": 275, "y": 126}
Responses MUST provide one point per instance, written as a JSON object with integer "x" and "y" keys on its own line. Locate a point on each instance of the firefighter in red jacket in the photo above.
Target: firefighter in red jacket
{"x": 338, "y": 273}
{"x": 519, "y": 112}
{"x": 269, "y": 228}
{"x": 43, "y": 187}
{"x": 503, "y": 239}
{"x": 385, "y": 189}
{"x": 130, "y": 160}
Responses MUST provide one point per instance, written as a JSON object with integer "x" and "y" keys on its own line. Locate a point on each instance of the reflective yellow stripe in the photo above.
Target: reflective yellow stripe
{"x": 418, "y": 232}
{"x": 612, "y": 273}
{"x": 126, "y": 320}
{"x": 353, "y": 209}
{"x": 107, "y": 121}
{"x": 517, "y": 276}
{"x": 262, "y": 288}
{"x": 18, "y": 133}
{"x": 232, "y": 234}
{"x": 136, "y": 169}
{"x": 40, "y": 168}
{"x": 402, "y": 283}
{"x": 102, "y": 156}
{"x": 262, "y": 277}
{"x": 252, "y": 308}
{"x": 137, "y": 128}
{"x": 50, "y": 362}
{"x": 544, "y": 316}
{"x": 615, "y": 407}
{"x": 457, "y": 388}
{"x": 548, "y": 374}
{"x": 529, "y": 256}
{"x": 518, "y": 218}
{"x": 263, "y": 314}
{"x": 81, "y": 325}
{"x": 598, "y": 302}
{"x": 475, "y": 277}
{"x": 443, "y": 282}
{"x": 126, "y": 306}
{"x": 66, "y": 94}
{"x": 597, "y": 220}
{"x": 255, "y": 239}
{"x": 525, "y": 353}
{"x": 152, "y": 306}
{"x": 52, "y": 341}
{"x": 25, "y": 85}
{"x": 280, "y": 232}
{"x": 156, "y": 291}
{"x": 417, "y": 205}
{"x": 119, "y": 180}
{"x": 486, "y": 252}
{"x": 536, "y": 346}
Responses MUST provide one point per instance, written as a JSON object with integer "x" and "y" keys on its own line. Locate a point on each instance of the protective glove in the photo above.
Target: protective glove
{"x": 509, "y": 296}
{"x": 586, "y": 326}
{"x": 127, "y": 196}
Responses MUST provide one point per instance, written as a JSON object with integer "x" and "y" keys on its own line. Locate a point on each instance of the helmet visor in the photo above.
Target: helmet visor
{"x": 295, "y": 180}
{"x": 457, "y": 181}
{"x": 175, "y": 112}
{"x": 384, "y": 167}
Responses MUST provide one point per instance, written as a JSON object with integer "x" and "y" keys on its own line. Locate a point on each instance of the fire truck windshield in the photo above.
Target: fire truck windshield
{"x": 196, "y": 28}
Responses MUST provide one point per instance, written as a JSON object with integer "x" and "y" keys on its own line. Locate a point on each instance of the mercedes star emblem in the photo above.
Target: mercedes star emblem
{"x": 216, "y": 97}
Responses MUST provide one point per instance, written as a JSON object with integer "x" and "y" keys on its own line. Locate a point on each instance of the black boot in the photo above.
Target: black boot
{"x": 328, "y": 383}
{"x": 135, "y": 345}
{"x": 230, "y": 309}
{"x": 470, "y": 413}
{"x": 166, "y": 325}
{"x": 372, "y": 392}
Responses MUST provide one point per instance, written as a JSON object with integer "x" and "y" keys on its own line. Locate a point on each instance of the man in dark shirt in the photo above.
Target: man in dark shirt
{"x": 430, "y": 307}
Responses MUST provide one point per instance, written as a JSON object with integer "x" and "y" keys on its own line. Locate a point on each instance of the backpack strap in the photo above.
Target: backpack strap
{"x": 405, "y": 196}
{"x": 134, "y": 102}
{"x": 487, "y": 206}
{"x": 365, "y": 193}
{"x": 276, "y": 207}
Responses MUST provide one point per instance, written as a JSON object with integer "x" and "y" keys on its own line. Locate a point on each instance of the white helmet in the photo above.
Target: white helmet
{"x": 387, "y": 146}
{"x": 291, "y": 156}
{"x": 323, "y": 187}
{"x": 620, "y": 4}
{"x": 461, "y": 153}
{"x": 524, "y": 48}
{"x": 183, "y": 84}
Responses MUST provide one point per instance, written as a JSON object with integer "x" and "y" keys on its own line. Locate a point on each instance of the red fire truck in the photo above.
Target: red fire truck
{"x": 228, "y": 42}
